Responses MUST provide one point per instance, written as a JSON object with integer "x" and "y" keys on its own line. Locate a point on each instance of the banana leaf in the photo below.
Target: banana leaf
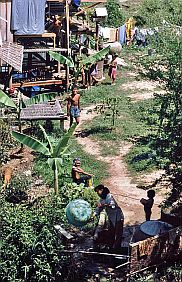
{"x": 62, "y": 59}
{"x": 5, "y": 100}
{"x": 95, "y": 57}
{"x": 55, "y": 161}
{"x": 62, "y": 145}
{"x": 47, "y": 138}
{"x": 92, "y": 59}
{"x": 41, "y": 98}
{"x": 32, "y": 143}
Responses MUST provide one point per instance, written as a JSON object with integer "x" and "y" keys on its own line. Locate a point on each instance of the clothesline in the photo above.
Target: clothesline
{"x": 122, "y": 195}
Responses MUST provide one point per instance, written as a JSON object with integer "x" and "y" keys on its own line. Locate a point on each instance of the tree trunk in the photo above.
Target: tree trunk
{"x": 56, "y": 186}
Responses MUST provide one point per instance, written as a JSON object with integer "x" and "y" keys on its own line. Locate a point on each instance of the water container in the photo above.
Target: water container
{"x": 78, "y": 212}
{"x": 115, "y": 47}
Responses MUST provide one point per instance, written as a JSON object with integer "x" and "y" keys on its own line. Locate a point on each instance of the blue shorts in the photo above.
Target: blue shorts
{"x": 75, "y": 111}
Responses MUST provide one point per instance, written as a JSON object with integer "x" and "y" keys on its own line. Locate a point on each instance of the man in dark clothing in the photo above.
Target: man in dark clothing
{"x": 114, "y": 214}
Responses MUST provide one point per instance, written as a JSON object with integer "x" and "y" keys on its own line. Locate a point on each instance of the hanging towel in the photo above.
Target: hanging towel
{"x": 1, "y": 41}
{"x": 104, "y": 32}
{"x": 28, "y": 17}
{"x": 122, "y": 34}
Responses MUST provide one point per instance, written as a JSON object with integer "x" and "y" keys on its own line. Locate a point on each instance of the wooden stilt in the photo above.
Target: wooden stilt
{"x": 67, "y": 42}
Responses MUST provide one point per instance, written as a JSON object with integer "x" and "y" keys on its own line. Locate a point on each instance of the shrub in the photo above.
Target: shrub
{"x": 30, "y": 249}
{"x": 155, "y": 11}
{"x": 6, "y": 141}
{"x": 115, "y": 17}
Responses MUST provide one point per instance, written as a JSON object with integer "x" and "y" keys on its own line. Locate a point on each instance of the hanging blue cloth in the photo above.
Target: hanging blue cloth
{"x": 76, "y": 3}
{"x": 28, "y": 17}
{"x": 122, "y": 34}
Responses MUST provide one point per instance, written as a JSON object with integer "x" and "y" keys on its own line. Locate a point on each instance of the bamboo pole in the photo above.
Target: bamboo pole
{"x": 67, "y": 42}
{"x": 124, "y": 264}
{"x": 95, "y": 253}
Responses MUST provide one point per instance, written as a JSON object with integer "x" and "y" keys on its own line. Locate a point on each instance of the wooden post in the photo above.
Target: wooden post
{"x": 97, "y": 37}
{"x": 62, "y": 124}
{"x": 11, "y": 69}
{"x": 9, "y": 79}
{"x": 67, "y": 42}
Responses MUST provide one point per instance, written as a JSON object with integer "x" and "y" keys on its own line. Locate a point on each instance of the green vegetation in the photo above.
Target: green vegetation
{"x": 154, "y": 12}
{"x": 55, "y": 154}
{"x": 30, "y": 249}
{"x": 141, "y": 158}
{"x": 89, "y": 163}
{"x": 165, "y": 66}
{"x": 6, "y": 141}
{"x": 116, "y": 16}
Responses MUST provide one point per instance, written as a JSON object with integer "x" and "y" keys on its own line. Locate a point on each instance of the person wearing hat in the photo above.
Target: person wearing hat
{"x": 115, "y": 216}
{"x": 78, "y": 174}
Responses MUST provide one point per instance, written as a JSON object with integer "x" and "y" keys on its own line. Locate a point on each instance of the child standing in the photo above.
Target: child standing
{"x": 113, "y": 69}
{"x": 148, "y": 203}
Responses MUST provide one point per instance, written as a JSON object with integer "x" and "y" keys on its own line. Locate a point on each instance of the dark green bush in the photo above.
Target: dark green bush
{"x": 29, "y": 246}
{"x": 6, "y": 141}
{"x": 116, "y": 16}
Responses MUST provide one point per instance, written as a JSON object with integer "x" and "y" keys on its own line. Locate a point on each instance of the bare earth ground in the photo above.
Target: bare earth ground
{"x": 22, "y": 162}
{"x": 143, "y": 89}
{"x": 121, "y": 184}
{"x": 126, "y": 193}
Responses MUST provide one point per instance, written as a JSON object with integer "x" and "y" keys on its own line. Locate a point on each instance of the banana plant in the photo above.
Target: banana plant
{"x": 88, "y": 61}
{"x": 62, "y": 59}
{"x": 6, "y": 101}
{"x": 55, "y": 153}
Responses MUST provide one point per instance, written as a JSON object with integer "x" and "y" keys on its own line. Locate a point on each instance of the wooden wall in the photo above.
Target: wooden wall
{"x": 5, "y": 12}
{"x": 155, "y": 250}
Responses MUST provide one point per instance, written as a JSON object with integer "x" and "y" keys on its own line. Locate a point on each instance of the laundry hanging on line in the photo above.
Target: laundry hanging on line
{"x": 28, "y": 17}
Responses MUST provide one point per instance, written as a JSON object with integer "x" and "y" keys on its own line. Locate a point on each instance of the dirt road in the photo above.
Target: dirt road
{"x": 126, "y": 193}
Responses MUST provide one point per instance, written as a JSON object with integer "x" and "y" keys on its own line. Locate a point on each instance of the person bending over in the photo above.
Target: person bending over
{"x": 114, "y": 214}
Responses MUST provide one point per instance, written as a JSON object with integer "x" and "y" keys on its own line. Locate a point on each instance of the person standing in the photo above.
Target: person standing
{"x": 73, "y": 106}
{"x": 55, "y": 27}
{"x": 148, "y": 203}
{"x": 115, "y": 216}
{"x": 113, "y": 69}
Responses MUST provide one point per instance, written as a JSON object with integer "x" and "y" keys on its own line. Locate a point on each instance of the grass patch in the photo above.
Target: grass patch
{"x": 132, "y": 123}
{"x": 127, "y": 125}
{"x": 88, "y": 163}
{"x": 110, "y": 149}
{"x": 141, "y": 158}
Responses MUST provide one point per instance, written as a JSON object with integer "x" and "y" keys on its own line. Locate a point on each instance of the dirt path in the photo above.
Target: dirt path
{"x": 120, "y": 183}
